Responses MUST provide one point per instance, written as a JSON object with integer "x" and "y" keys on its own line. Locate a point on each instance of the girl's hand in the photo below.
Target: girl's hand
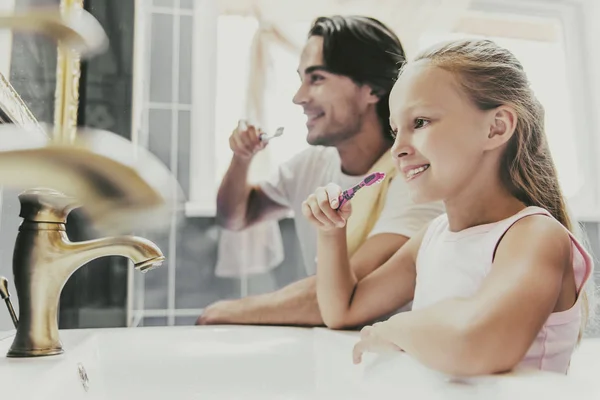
{"x": 320, "y": 208}
{"x": 370, "y": 341}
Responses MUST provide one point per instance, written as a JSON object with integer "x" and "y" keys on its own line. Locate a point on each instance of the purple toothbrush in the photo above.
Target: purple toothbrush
{"x": 348, "y": 194}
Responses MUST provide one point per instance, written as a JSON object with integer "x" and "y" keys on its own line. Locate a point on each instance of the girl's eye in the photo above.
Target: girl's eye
{"x": 393, "y": 133}
{"x": 420, "y": 123}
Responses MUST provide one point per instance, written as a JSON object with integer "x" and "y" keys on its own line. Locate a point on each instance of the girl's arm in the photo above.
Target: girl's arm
{"x": 492, "y": 331}
{"x": 345, "y": 301}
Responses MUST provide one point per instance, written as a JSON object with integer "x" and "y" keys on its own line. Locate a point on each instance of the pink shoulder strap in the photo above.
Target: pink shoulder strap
{"x": 583, "y": 264}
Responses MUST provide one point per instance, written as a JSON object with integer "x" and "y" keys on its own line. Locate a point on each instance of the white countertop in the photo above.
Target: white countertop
{"x": 264, "y": 363}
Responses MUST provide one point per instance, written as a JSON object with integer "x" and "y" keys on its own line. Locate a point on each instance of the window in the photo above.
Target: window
{"x": 191, "y": 69}
{"x": 164, "y": 117}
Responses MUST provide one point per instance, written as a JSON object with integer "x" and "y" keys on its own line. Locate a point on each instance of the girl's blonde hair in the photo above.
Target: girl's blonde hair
{"x": 491, "y": 76}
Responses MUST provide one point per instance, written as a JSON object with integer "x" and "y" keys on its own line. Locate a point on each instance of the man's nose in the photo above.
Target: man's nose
{"x": 301, "y": 96}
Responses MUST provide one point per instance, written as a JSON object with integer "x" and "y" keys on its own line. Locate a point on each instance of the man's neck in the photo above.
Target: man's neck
{"x": 361, "y": 152}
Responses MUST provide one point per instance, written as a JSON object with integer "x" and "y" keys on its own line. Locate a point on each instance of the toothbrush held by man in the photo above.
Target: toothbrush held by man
{"x": 263, "y": 137}
{"x": 246, "y": 140}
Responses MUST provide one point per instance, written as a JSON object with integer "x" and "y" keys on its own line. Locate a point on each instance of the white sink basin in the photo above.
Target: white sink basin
{"x": 237, "y": 362}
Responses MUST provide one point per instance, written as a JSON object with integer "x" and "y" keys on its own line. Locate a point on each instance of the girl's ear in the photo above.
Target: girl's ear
{"x": 502, "y": 127}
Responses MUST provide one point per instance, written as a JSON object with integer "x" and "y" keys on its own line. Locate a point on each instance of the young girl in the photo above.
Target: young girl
{"x": 497, "y": 281}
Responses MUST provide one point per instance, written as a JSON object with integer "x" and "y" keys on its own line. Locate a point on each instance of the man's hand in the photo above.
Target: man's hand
{"x": 295, "y": 305}
{"x": 222, "y": 312}
{"x": 245, "y": 140}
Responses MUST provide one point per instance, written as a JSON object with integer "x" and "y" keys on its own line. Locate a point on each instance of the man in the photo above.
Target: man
{"x": 347, "y": 69}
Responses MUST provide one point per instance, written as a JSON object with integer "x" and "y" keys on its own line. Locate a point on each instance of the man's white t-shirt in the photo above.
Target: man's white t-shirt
{"x": 317, "y": 166}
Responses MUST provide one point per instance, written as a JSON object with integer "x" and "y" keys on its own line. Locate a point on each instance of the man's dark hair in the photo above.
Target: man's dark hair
{"x": 365, "y": 50}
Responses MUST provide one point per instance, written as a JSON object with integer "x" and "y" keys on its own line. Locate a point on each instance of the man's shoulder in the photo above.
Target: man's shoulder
{"x": 314, "y": 153}
{"x": 314, "y": 159}
{"x": 307, "y": 170}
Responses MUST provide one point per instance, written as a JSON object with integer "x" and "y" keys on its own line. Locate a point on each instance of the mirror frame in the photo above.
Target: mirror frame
{"x": 68, "y": 74}
{"x": 13, "y": 110}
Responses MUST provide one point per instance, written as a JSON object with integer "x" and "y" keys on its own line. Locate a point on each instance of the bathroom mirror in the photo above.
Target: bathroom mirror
{"x": 31, "y": 62}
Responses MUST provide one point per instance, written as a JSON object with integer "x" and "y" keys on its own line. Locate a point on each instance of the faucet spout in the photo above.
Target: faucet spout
{"x": 144, "y": 254}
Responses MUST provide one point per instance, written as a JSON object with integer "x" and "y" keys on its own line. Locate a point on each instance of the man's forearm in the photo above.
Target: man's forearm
{"x": 233, "y": 195}
{"x": 295, "y": 304}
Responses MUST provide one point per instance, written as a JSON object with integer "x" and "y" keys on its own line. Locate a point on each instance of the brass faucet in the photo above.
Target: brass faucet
{"x": 43, "y": 260}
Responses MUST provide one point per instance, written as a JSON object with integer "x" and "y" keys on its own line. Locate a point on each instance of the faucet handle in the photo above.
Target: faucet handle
{"x": 6, "y": 296}
{"x": 46, "y": 205}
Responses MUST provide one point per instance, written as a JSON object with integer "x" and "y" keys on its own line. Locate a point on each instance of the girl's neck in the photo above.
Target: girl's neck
{"x": 482, "y": 202}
